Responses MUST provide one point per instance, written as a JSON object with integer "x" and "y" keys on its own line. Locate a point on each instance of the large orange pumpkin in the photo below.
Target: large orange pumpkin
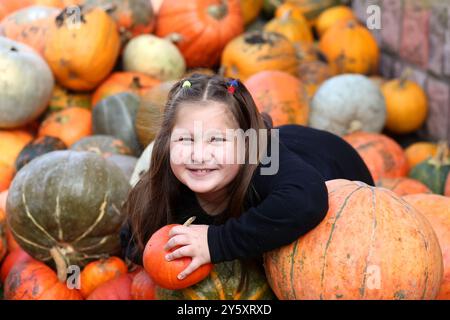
{"x": 11, "y": 143}
{"x": 350, "y": 48}
{"x": 83, "y": 53}
{"x": 436, "y": 209}
{"x": 382, "y": 155}
{"x": 143, "y": 287}
{"x": 258, "y": 51}
{"x": 29, "y": 26}
{"x": 98, "y": 272}
{"x": 6, "y": 176}
{"x": 331, "y": 16}
{"x": 371, "y": 245}
{"x": 205, "y": 27}
{"x": 116, "y": 289}
{"x": 33, "y": 280}
{"x": 296, "y": 29}
{"x": 280, "y": 95}
{"x": 403, "y": 186}
{"x": 419, "y": 152}
{"x": 69, "y": 125}
{"x": 13, "y": 258}
{"x": 406, "y": 105}
{"x": 119, "y": 82}
{"x": 9, "y": 6}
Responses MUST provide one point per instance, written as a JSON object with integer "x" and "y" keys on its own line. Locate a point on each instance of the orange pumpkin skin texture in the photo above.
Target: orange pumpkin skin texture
{"x": 313, "y": 74}
{"x": 69, "y": 125}
{"x": 406, "y": 105}
{"x": 3, "y": 241}
{"x": 403, "y": 186}
{"x": 250, "y": 9}
{"x": 11, "y": 143}
{"x": 254, "y": 52}
{"x": 419, "y": 152}
{"x": 331, "y": 16}
{"x": 82, "y": 55}
{"x": 164, "y": 273}
{"x": 6, "y": 176}
{"x": 98, "y": 272}
{"x": 436, "y": 209}
{"x": 350, "y": 48}
{"x": 143, "y": 287}
{"x": 297, "y": 29}
{"x": 116, "y": 289}
{"x": 30, "y": 31}
{"x": 13, "y": 258}
{"x": 118, "y": 82}
{"x": 9, "y": 6}
{"x": 281, "y": 95}
{"x": 33, "y": 280}
{"x": 447, "y": 187}
{"x": 382, "y": 155}
{"x": 205, "y": 26}
{"x": 371, "y": 245}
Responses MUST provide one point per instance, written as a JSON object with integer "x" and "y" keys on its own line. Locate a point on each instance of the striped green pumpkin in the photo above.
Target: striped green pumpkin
{"x": 434, "y": 171}
{"x": 222, "y": 284}
{"x": 70, "y": 202}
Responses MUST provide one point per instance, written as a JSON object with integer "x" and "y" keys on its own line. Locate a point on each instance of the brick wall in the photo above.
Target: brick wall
{"x": 416, "y": 34}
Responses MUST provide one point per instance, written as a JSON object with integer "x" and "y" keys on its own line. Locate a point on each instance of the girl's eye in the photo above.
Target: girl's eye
{"x": 217, "y": 139}
{"x": 185, "y": 139}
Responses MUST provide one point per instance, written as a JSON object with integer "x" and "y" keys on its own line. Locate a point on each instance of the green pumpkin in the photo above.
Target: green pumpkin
{"x": 70, "y": 202}
{"x": 115, "y": 116}
{"x": 103, "y": 145}
{"x": 222, "y": 284}
{"x": 434, "y": 171}
{"x": 37, "y": 148}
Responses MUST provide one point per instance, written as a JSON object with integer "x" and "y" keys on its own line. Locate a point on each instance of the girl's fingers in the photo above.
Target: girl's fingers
{"x": 185, "y": 251}
{"x": 178, "y": 230}
{"x": 194, "y": 265}
{"x": 179, "y": 240}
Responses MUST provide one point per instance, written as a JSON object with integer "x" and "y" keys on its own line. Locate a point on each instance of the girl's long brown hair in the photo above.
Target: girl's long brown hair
{"x": 151, "y": 203}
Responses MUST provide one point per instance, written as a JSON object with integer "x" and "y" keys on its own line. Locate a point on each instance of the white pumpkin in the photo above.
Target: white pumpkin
{"x": 348, "y": 103}
{"x": 26, "y": 84}
{"x": 154, "y": 56}
{"x": 142, "y": 165}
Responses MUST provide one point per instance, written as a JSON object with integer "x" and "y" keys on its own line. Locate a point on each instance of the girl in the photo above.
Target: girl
{"x": 241, "y": 212}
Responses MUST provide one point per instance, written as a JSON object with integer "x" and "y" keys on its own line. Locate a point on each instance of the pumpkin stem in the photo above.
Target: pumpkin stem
{"x": 174, "y": 37}
{"x": 355, "y": 125}
{"x": 404, "y": 76}
{"x": 61, "y": 265}
{"x": 442, "y": 155}
{"x": 189, "y": 221}
{"x": 218, "y": 11}
{"x": 136, "y": 83}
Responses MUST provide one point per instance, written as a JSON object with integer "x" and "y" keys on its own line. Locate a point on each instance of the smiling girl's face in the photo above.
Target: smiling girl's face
{"x": 200, "y": 153}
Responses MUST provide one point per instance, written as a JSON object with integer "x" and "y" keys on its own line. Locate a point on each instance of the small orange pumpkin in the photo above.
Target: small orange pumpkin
{"x": 297, "y": 29}
{"x": 280, "y": 95}
{"x": 119, "y": 82}
{"x": 98, "y": 272}
{"x": 63, "y": 99}
{"x": 406, "y": 105}
{"x": 350, "y": 48}
{"x": 69, "y": 125}
{"x": 383, "y": 156}
{"x": 258, "y": 51}
{"x": 403, "y": 186}
{"x": 331, "y": 16}
{"x": 419, "y": 152}
{"x": 250, "y": 9}
{"x": 205, "y": 27}
{"x": 83, "y": 53}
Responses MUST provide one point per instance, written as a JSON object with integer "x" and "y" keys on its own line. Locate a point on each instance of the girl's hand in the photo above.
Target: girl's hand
{"x": 193, "y": 242}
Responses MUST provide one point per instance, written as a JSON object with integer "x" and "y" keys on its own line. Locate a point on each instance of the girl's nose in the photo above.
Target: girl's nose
{"x": 201, "y": 152}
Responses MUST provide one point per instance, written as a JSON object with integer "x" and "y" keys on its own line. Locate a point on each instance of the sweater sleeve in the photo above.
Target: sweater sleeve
{"x": 295, "y": 201}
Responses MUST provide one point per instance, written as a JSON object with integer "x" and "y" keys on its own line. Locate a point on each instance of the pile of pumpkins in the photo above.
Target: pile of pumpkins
{"x": 83, "y": 87}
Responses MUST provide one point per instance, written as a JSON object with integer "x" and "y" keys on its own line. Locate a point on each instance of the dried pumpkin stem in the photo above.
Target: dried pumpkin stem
{"x": 405, "y": 76}
{"x": 61, "y": 266}
{"x": 442, "y": 154}
{"x": 189, "y": 221}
